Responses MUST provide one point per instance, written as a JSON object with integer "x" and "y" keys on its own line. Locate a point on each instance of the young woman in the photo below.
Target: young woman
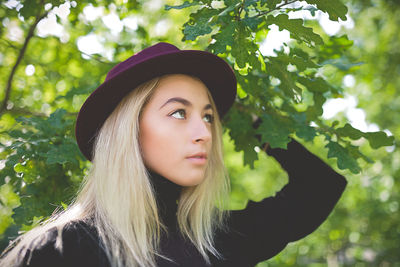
{"x": 157, "y": 187}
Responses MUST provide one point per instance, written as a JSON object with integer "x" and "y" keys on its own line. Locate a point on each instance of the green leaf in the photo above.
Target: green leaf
{"x": 25, "y": 211}
{"x": 344, "y": 159}
{"x": 333, "y": 50}
{"x": 19, "y": 167}
{"x": 57, "y": 119}
{"x": 356, "y": 153}
{"x": 379, "y": 139}
{"x": 376, "y": 139}
{"x": 252, "y": 22}
{"x": 316, "y": 110}
{"x": 297, "y": 58}
{"x": 278, "y": 68}
{"x": 17, "y": 134}
{"x": 248, "y": 3}
{"x": 244, "y": 49}
{"x": 316, "y": 84}
{"x": 12, "y": 160}
{"x": 271, "y": 4}
{"x": 27, "y": 169}
{"x": 35, "y": 222}
{"x": 38, "y": 199}
{"x": 348, "y": 131}
{"x": 64, "y": 206}
{"x": 66, "y": 152}
{"x": 8, "y": 197}
{"x": 31, "y": 8}
{"x": 199, "y": 23}
{"x": 223, "y": 38}
{"x": 192, "y": 32}
{"x": 256, "y": 84}
{"x": 275, "y": 131}
{"x": 296, "y": 29}
{"x": 243, "y": 134}
{"x": 240, "y": 49}
{"x": 312, "y": 9}
{"x": 40, "y": 124}
{"x": 229, "y": 9}
{"x": 83, "y": 90}
{"x": 301, "y": 63}
{"x": 335, "y": 8}
{"x": 342, "y": 63}
{"x": 303, "y": 130}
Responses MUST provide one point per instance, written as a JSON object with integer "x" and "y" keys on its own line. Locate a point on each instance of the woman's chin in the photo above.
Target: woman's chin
{"x": 190, "y": 180}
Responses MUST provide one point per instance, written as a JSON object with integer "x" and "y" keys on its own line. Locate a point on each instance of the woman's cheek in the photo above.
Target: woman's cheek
{"x": 167, "y": 137}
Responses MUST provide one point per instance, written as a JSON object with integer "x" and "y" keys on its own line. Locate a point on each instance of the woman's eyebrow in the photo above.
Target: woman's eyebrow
{"x": 184, "y": 102}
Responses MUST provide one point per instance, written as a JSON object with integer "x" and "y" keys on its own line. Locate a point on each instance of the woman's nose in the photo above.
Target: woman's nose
{"x": 201, "y": 131}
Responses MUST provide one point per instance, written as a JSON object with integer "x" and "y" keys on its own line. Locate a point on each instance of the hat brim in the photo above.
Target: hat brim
{"x": 213, "y": 71}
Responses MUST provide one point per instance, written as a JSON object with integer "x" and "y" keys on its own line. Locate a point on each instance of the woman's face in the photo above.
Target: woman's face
{"x": 175, "y": 130}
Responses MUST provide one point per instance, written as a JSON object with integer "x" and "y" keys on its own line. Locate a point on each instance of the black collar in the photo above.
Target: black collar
{"x": 167, "y": 194}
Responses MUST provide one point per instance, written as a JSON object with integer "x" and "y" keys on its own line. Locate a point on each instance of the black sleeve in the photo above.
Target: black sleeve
{"x": 80, "y": 247}
{"x": 42, "y": 252}
{"x": 264, "y": 228}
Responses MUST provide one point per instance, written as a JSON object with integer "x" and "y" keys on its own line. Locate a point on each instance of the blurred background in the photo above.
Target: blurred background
{"x": 52, "y": 55}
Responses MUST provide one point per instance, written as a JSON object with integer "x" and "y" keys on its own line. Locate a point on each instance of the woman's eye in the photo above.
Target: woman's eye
{"x": 179, "y": 114}
{"x": 209, "y": 118}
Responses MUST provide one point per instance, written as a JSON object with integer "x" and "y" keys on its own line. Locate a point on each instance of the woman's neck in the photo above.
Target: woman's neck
{"x": 167, "y": 195}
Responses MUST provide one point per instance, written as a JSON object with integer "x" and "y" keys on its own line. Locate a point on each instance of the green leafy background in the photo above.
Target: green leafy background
{"x": 41, "y": 166}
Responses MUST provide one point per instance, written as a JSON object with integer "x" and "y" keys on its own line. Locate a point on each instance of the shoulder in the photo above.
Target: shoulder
{"x": 75, "y": 244}
{"x": 82, "y": 245}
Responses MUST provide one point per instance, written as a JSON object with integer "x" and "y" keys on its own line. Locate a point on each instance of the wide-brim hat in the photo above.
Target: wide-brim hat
{"x": 154, "y": 61}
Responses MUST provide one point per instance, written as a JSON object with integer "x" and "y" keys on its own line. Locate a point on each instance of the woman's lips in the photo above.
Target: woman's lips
{"x": 199, "y": 161}
{"x": 198, "y": 158}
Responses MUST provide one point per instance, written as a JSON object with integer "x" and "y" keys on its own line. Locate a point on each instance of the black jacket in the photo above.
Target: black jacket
{"x": 255, "y": 234}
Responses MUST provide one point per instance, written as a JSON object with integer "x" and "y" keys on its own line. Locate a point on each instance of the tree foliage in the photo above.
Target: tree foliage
{"x": 41, "y": 166}
{"x": 235, "y": 29}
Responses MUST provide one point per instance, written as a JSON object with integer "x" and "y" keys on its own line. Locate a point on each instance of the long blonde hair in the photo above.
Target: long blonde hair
{"x": 130, "y": 235}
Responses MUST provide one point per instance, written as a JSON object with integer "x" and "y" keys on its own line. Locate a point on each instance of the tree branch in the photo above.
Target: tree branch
{"x": 240, "y": 10}
{"x": 24, "y": 112}
{"x": 28, "y": 112}
{"x": 21, "y": 54}
{"x": 98, "y": 58}
{"x": 9, "y": 43}
{"x": 275, "y": 8}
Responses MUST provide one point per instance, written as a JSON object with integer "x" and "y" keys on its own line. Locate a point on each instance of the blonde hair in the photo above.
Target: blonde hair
{"x": 131, "y": 236}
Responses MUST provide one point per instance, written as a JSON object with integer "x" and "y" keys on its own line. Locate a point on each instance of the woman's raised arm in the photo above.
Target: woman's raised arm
{"x": 264, "y": 228}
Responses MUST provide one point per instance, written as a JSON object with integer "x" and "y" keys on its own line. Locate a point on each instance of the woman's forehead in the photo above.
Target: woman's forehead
{"x": 181, "y": 86}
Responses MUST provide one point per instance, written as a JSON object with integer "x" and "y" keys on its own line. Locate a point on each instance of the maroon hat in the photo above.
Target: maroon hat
{"x": 154, "y": 61}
